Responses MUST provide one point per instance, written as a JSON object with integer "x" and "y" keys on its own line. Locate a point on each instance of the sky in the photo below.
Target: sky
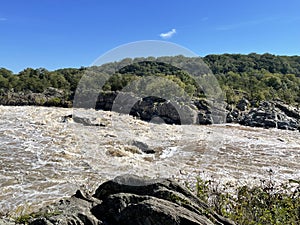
{"x": 56, "y": 34}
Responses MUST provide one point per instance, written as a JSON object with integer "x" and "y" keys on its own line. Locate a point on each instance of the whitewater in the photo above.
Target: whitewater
{"x": 45, "y": 155}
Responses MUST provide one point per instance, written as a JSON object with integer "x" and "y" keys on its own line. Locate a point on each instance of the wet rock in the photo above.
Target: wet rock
{"x": 288, "y": 110}
{"x": 272, "y": 115}
{"x": 243, "y": 104}
{"x": 148, "y": 108}
{"x": 88, "y": 121}
{"x": 205, "y": 118}
{"x": 201, "y": 104}
{"x": 128, "y": 200}
{"x": 65, "y": 119}
{"x": 143, "y": 147}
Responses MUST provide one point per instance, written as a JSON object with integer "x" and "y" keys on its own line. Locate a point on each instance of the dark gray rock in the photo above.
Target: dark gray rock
{"x": 87, "y": 121}
{"x": 201, "y": 104}
{"x": 205, "y": 118}
{"x": 128, "y": 200}
{"x": 143, "y": 147}
{"x": 148, "y": 108}
{"x": 288, "y": 110}
{"x": 272, "y": 115}
{"x": 243, "y": 104}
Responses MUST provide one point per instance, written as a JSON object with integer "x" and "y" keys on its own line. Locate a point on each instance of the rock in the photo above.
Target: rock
{"x": 50, "y": 97}
{"x": 272, "y": 115}
{"x": 143, "y": 147}
{"x": 288, "y": 110}
{"x": 128, "y": 200}
{"x": 204, "y": 118}
{"x": 65, "y": 119}
{"x": 269, "y": 123}
{"x": 243, "y": 104}
{"x": 148, "y": 109}
{"x": 201, "y": 104}
{"x": 54, "y": 92}
{"x": 88, "y": 121}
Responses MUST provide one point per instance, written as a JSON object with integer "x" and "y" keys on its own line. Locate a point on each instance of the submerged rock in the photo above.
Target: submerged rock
{"x": 143, "y": 147}
{"x": 128, "y": 200}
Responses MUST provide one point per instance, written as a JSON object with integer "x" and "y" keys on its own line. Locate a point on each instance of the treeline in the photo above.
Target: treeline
{"x": 38, "y": 80}
{"x": 255, "y": 77}
{"x": 237, "y": 63}
{"x": 166, "y": 76}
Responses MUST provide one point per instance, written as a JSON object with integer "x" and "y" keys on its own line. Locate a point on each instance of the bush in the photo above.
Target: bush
{"x": 265, "y": 204}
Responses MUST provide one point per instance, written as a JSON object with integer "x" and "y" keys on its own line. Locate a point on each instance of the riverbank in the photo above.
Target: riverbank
{"x": 267, "y": 114}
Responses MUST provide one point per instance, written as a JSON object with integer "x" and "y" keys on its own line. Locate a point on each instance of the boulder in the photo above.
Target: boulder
{"x": 205, "y": 118}
{"x": 272, "y": 115}
{"x": 128, "y": 200}
{"x": 147, "y": 108}
{"x": 143, "y": 147}
{"x": 243, "y": 104}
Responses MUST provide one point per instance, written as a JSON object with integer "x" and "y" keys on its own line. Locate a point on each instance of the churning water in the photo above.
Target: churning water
{"x": 44, "y": 156}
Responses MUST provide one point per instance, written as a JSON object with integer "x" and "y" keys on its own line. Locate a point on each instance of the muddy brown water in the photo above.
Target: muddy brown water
{"x": 43, "y": 159}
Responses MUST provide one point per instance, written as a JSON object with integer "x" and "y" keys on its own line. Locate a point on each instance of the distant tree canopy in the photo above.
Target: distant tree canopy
{"x": 257, "y": 77}
{"x": 254, "y": 76}
{"x": 237, "y": 63}
{"x": 168, "y": 75}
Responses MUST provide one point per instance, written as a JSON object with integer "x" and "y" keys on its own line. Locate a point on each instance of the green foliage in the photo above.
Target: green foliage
{"x": 260, "y": 85}
{"x": 54, "y": 101}
{"x": 237, "y": 63}
{"x": 166, "y": 74}
{"x": 255, "y": 77}
{"x": 264, "y": 204}
{"x": 26, "y": 218}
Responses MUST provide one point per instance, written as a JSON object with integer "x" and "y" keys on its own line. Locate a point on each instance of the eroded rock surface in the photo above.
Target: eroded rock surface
{"x": 128, "y": 200}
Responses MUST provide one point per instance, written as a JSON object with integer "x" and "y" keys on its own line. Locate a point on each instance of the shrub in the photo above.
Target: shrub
{"x": 265, "y": 204}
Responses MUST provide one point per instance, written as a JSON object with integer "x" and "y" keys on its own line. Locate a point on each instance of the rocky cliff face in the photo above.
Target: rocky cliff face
{"x": 128, "y": 200}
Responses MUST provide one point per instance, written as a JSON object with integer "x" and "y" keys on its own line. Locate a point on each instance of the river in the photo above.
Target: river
{"x": 44, "y": 157}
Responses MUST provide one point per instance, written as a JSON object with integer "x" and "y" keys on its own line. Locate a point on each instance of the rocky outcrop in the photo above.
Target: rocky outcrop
{"x": 50, "y": 97}
{"x": 158, "y": 110}
{"x": 149, "y": 108}
{"x": 128, "y": 200}
{"x": 273, "y": 114}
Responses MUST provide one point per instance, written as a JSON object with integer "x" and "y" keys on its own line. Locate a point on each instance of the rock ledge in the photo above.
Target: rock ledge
{"x": 128, "y": 200}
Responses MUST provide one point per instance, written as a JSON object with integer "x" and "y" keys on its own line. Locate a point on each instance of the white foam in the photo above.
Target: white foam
{"x": 168, "y": 152}
{"x": 43, "y": 159}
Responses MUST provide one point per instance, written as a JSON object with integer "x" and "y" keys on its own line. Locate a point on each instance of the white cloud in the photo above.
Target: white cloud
{"x": 3, "y": 19}
{"x": 168, "y": 34}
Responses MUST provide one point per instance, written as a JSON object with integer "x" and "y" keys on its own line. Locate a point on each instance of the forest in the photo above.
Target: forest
{"x": 257, "y": 77}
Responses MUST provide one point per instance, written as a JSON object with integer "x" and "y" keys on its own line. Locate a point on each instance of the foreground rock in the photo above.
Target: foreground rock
{"x": 128, "y": 200}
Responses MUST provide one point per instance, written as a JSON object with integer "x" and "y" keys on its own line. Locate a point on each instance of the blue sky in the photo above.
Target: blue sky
{"x": 72, "y": 33}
